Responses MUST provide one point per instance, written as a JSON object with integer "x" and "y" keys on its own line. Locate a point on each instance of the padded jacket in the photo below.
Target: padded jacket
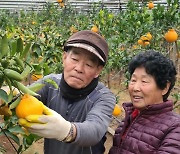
{"x": 156, "y": 130}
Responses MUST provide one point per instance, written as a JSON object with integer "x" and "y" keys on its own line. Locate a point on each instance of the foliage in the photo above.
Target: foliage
{"x": 36, "y": 38}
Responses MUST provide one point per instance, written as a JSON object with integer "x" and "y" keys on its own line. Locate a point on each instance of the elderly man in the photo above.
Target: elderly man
{"x": 78, "y": 113}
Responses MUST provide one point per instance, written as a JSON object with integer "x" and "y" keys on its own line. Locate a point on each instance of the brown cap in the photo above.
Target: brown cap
{"x": 90, "y": 41}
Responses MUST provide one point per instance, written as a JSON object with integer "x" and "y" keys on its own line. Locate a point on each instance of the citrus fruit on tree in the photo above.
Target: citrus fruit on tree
{"x": 140, "y": 42}
{"x": 95, "y": 29}
{"x": 150, "y": 5}
{"x": 59, "y": 1}
{"x": 149, "y": 36}
{"x": 171, "y": 36}
{"x": 29, "y": 105}
{"x": 117, "y": 110}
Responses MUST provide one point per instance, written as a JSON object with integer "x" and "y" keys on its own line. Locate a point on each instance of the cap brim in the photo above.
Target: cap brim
{"x": 86, "y": 47}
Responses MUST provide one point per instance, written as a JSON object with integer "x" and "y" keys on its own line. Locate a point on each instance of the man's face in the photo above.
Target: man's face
{"x": 80, "y": 67}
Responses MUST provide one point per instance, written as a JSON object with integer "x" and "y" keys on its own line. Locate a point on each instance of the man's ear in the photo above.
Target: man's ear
{"x": 165, "y": 90}
{"x": 99, "y": 70}
{"x": 64, "y": 56}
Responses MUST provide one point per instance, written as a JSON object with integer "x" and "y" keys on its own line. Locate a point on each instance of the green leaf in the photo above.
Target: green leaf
{"x": 13, "y": 48}
{"x": 12, "y": 136}
{"x": 25, "y": 51}
{"x": 52, "y": 82}
{"x": 10, "y": 96}
{"x": 36, "y": 86}
{"x": 16, "y": 129}
{"x": 4, "y": 48}
{"x": 3, "y": 95}
{"x": 19, "y": 48}
{"x": 15, "y": 103}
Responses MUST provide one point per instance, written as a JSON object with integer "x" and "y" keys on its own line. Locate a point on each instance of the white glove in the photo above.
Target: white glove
{"x": 50, "y": 125}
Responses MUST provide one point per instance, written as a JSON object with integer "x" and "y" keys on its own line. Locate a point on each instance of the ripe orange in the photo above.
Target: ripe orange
{"x": 149, "y": 36}
{"x": 171, "y": 36}
{"x": 35, "y": 77}
{"x": 95, "y": 29}
{"x": 29, "y": 105}
{"x": 59, "y": 1}
{"x": 146, "y": 43}
{"x": 140, "y": 42}
{"x": 144, "y": 38}
{"x": 117, "y": 110}
{"x": 150, "y": 5}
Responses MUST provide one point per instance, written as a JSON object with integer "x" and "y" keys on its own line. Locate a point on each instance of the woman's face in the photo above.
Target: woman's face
{"x": 143, "y": 89}
{"x": 80, "y": 67}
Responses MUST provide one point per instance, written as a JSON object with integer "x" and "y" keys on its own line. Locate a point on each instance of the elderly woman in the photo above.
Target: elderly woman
{"x": 150, "y": 125}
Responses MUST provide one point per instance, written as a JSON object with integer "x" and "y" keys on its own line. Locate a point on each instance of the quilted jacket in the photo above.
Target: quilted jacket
{"x": 156, "y": 130}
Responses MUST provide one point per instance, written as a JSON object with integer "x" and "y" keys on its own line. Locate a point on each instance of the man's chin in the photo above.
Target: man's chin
{"x": 75, "y": 85}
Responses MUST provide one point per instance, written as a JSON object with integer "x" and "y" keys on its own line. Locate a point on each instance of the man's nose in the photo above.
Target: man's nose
{"x": 79, "y": 67}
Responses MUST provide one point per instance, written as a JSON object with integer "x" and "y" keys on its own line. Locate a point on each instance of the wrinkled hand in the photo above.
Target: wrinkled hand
{"x": 49, "y": 125}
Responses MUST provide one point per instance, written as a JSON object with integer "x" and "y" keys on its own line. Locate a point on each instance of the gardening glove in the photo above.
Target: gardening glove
{"x": 49, "y": 125}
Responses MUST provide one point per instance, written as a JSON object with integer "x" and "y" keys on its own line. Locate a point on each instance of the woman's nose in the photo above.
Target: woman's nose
{"x": 137, "y": 86}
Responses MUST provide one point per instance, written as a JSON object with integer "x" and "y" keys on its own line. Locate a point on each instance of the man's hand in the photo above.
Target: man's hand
{"x": 49, "y": 125}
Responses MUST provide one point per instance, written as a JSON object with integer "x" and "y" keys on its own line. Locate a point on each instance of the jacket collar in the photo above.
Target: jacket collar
{"x": 151, "y": 109}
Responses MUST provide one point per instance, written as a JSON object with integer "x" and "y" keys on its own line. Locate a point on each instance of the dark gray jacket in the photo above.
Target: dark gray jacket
{"x": 91, "y": 116}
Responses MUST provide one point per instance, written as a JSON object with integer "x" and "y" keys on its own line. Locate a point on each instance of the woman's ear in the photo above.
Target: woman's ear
{"x": 165, "y": 90}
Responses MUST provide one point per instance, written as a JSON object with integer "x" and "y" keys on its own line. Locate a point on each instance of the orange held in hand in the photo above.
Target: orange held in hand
{"x": 29, "y": 105}
{"x": 117, "y": 110}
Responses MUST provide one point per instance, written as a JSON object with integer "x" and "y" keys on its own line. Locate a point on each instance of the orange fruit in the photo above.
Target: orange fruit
{"x": 35, "y": 77}
{"x": 59, "y": 1}
{"x": 140, "y": 42}
{"x": 146, "y": 43}
{"x": 29, "y": 105}
{"x": 144, "y": 38}
{"x": 150, "y": 5}
{"x": 171, "y": 36}
{"x": 95, "y": 29}
{"x": 117, "y": 110}
{"x": 149, "y": 36}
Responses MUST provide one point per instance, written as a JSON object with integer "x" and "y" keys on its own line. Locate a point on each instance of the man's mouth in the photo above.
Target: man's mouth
{"x": 77, "y": 78}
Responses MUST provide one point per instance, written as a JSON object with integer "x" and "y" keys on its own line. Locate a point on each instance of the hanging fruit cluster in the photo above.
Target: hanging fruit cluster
{"x": 145, "y": 39}
{"x": 14, "y": 69}
{"x": 171, "y": 36}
